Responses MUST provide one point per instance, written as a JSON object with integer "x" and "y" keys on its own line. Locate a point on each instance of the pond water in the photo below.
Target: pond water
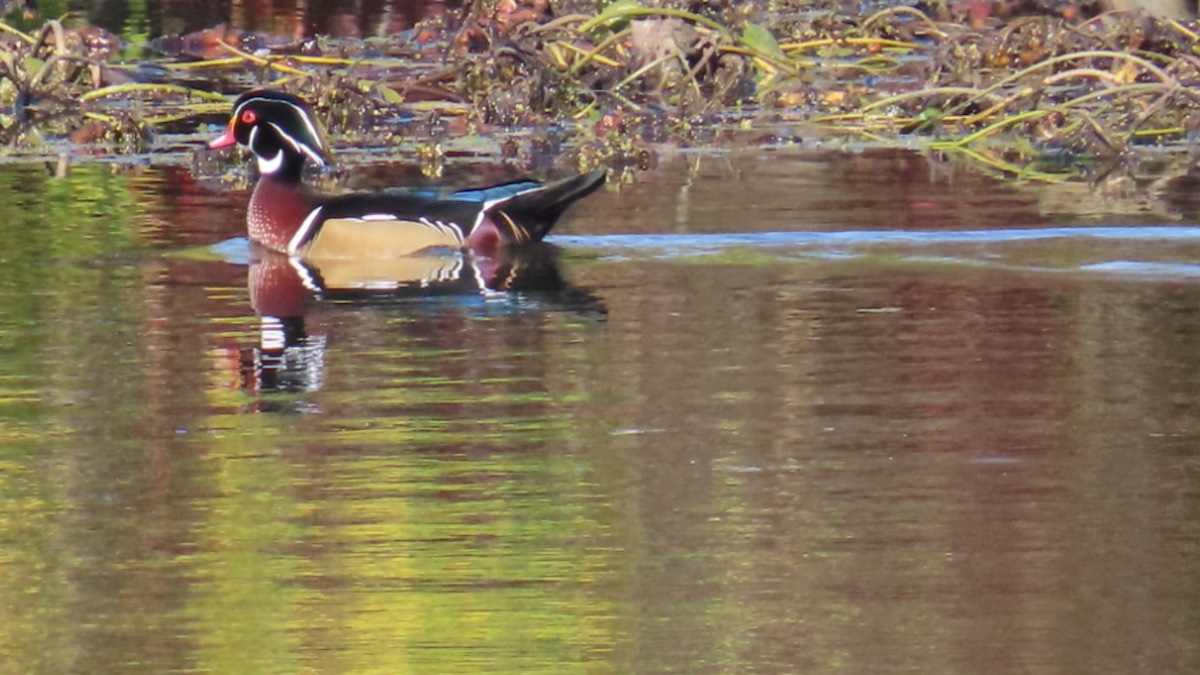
{"x": 776, "y": 412}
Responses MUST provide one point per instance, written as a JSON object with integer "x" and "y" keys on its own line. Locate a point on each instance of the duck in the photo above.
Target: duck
{"x": 284, "y": 215}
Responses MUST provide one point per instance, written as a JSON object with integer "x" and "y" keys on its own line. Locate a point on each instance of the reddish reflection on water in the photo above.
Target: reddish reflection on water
{"x": 288, "y": 19}
{"x": 337, "y": 19}
{"x": 754, "y": 460}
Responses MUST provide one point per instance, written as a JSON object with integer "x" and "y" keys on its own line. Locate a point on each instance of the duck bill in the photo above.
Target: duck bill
{"x": 224, "y": 140}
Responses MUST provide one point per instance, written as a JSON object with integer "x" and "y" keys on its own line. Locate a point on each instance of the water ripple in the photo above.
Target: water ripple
{"x": 1153, "y": 252}
{"x": 700, "y": 243}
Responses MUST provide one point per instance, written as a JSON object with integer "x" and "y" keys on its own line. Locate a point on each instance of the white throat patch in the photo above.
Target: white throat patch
{"x": 269, "y": 165}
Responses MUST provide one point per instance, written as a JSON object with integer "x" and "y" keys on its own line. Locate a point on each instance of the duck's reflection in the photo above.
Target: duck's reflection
{"x": 290, "y": 359}
{"x": 286, "y": 358}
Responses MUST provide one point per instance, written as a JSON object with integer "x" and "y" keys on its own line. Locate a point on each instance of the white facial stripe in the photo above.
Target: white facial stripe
{"x": 291, "y": 141}
{"x": 315, "y": 157}
{"x": 308, "y": 124}
{"x": 301, "y": 112}
{"x": 299, "y": 147}
{"x": 301, "y": 235}
{"x": 237, "y": 112}
{"x": 304, "y": 115}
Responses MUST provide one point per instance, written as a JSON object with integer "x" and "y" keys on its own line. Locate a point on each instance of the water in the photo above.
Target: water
{"x": 783, "y": 413}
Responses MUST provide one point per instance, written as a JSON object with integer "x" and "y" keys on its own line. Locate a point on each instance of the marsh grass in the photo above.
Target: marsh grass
{"x": 1038, "y": 97}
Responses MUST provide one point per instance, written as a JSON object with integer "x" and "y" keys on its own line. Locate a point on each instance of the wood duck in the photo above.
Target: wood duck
{"x": 283, "y": 134}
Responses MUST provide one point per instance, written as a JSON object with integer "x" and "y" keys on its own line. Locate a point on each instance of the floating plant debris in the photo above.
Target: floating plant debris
{"x": 1037, "y": 90}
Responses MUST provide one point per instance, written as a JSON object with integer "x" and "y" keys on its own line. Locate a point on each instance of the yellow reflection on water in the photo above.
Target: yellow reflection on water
{"x": 387, "y": 559}
{"x": 744, "y": 468}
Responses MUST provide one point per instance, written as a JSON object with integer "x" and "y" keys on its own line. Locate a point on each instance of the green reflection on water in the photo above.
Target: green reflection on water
{"x": 380, "y": 559}
{"x": 740, "y": 471}
{"x": 422, "y": 519}
{"x": 62, "y": 317}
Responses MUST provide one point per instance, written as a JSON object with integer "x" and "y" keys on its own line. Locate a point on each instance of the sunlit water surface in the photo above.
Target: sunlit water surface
{"x": 792, "y": 413}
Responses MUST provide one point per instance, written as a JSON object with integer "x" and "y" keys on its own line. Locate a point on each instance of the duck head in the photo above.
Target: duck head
{"x": 279, "y": 129}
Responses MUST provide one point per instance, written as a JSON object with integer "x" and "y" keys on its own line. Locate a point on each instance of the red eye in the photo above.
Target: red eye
{"x": 249, "y": 117}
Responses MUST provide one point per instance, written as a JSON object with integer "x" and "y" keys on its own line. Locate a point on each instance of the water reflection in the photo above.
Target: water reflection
{"x": 269, "y": 22}
{"x": 281, "y": 289}
{"x": 764, "y": 459}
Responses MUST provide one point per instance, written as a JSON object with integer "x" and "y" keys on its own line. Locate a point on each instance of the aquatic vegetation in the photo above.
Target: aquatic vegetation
{"x": 1041, "y": 95}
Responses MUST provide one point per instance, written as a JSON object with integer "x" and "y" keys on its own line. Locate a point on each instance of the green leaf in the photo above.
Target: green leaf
{"x": 760, "y": 40}
{"x": 616, "y": 13}
{"x": 617, "y": 9}
{"x": 390, "y": 96}
{"x": 32, "y": 65}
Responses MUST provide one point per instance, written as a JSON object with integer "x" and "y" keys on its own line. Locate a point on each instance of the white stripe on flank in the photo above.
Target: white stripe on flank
{"x": 301, "y": 236}
{"x": 451, "y": 229}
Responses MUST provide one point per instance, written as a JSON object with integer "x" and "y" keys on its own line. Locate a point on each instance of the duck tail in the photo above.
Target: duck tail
{"x": 529, "y": 210}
